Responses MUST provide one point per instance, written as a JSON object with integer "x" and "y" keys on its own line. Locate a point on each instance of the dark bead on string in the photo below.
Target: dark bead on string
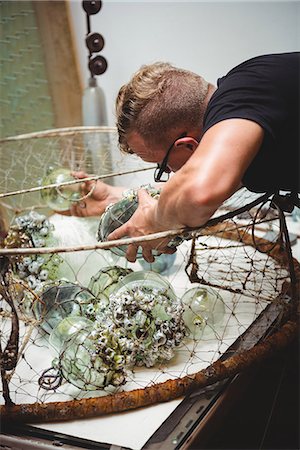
{"x": 92, "y": 7}
{"x": 98, "y": 65}
{"x": 94, "y": 42}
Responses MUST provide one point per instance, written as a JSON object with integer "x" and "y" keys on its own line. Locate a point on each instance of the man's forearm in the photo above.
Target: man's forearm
{"x": 180, "y": 205}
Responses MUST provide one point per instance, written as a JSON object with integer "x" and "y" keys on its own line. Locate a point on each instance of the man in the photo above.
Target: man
{"x": 245, "y": 132}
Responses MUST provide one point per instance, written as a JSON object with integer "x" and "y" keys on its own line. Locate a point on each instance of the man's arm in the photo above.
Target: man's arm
{"x": 191, "y": 196}
{"x": 211, "y": 175}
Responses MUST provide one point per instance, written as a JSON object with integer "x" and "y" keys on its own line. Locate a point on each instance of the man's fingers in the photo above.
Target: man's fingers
{"x": 163, "y": 247}
{"x": 147, "y": 255}
{"x": 168, "y": 250}
{"x": 64, "y": 213}
{"x": 118, "y": 233}
{"x": 80, "y": 174}
{"x": 143, "y": 195}
{"x": 131, "y": 253}
{"x": 86, "y": 186}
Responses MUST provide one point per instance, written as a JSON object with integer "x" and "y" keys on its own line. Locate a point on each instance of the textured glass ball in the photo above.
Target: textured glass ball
{"x": 33, "y": 230}
{"x": 59, "y": 301}
{"x": 60, "y": 198}
{"x": 101, "y": 286}
{"x": 115, "y": 216}
{"x": 77, "y": 366}
{"x": 146, "y": 280}
{"x": 119, "y": 213}
{"x": 147, "y": 317}
{"x": 65, "y": 329}
{"x": 89, "y": 357}
{"x": 203, "y": 308}
{"x": 105, "y": 281}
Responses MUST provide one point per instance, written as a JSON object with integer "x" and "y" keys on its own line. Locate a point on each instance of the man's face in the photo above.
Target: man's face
{"x": 178, "y": 155}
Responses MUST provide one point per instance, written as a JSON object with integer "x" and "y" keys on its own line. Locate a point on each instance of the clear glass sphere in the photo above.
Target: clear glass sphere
{"x": 106, "y": 280}
{"x": 60, "y": 198}
{"x": 162, "y": 263}
{"x": 203, "y": 309}
{"x": 65, "y": 329}
{"x": 59, "y": 301}
{"x": 88, "y": 358}
{"x": 144, "y": 279}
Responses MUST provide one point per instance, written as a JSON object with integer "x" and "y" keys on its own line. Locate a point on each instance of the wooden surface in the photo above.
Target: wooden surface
{"x": 60, "y": 60}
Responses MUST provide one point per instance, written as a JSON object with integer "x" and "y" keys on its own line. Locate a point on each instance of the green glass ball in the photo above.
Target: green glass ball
{"x": 60, "y": 198}
{"x": 203, "y": 309}
{"x": 58, "y": 301}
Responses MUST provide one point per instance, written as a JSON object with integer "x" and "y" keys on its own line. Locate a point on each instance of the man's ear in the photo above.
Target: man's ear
{"x": 188, "y": 141}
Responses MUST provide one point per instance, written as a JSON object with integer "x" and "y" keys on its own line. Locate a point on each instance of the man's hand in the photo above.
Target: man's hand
{"x": 97, "y": 196}
{"x": 142, "y": 223}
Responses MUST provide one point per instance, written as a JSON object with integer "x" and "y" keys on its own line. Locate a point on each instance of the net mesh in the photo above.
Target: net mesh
{"x": 158, "y": 357}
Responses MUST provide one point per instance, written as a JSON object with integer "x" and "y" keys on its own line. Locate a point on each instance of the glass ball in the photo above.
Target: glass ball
{"x": 65, "y": 329}
{"x": 33, "y": 230}
{"x": 147, "y": 316}
{"x": 89, "y": 357}
{"x": 162, "y": 263}
{"x": 119, "y": 213}
{"x": 203, "y": 309}
{"x": 115, "y": 216}
{"x": 105, "y": 281}
{"x": 145, "y": 279}
{"x": 59, "y": 301}
{"x": 60, "y": 198}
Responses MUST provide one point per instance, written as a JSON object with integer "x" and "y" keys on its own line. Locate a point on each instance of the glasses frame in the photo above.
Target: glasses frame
{"x": 161, "y": 168}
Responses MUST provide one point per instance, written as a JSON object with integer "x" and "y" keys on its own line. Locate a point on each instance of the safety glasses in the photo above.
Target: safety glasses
{"x": 162, "y": 171}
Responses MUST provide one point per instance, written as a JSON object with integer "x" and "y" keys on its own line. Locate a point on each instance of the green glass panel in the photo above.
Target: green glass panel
{"x": 25, "y": 102}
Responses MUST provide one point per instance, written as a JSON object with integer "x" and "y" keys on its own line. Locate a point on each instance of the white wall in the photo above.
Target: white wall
{"x": 206, "y": 37}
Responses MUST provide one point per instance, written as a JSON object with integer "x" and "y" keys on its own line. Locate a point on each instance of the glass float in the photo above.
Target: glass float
{"x": 147, "y": 318}
{"x": 65, "y": 329}
{"x": 105, "y": 281}
{"x": 146, "y": 280}
{"x": 203, "y": 308}
{"x": 60, "y": 198}
{"x": 102, "y": 285}
{"x": 162, "y": 263}
{"x": 71, "y": 231}
{"x": 32, "y": 230}
{"x": 119, "y": 213}
{"x": 59, "y": 301}
{"x": 88, "y": 357}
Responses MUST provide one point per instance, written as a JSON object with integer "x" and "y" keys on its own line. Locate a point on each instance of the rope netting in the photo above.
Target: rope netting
{"x": 84, "y": 332}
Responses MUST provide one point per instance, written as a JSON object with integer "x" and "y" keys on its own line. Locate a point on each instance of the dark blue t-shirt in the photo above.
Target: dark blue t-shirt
{"x": 265, "y": 90}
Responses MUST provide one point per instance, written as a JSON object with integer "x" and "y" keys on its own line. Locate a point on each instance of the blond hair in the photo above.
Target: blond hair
{"x": 158, "y": 98}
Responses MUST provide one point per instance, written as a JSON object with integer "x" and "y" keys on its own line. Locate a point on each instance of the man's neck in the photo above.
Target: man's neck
{"x": 210, "y": 91}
